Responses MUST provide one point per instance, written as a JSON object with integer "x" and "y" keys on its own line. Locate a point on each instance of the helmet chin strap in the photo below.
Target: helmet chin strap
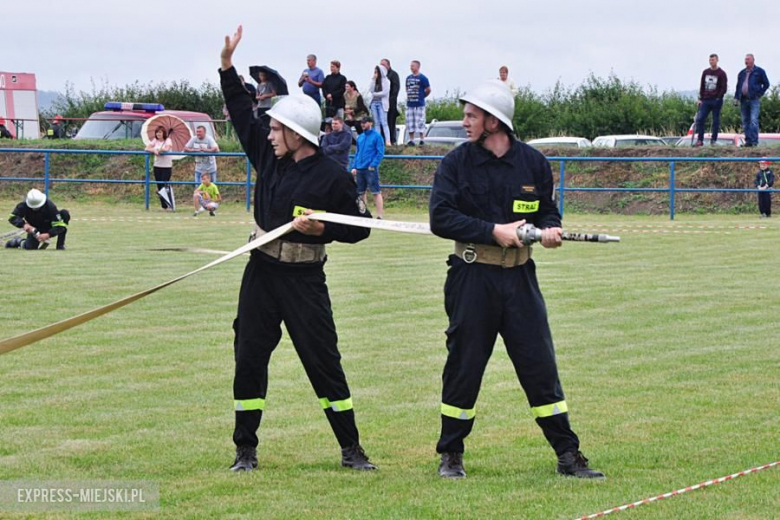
{"x": 290, "y": 150}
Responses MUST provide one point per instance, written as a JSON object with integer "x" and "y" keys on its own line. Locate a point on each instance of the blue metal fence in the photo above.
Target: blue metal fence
{"x": 672, "y": 190}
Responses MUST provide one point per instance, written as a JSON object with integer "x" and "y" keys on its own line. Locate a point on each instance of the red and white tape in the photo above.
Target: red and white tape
{"x": 679, "y": 491}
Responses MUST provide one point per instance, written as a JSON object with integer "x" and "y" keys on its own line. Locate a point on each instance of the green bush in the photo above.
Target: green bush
{"x": 603, "y": 106}
{"x": 177, "y": 95}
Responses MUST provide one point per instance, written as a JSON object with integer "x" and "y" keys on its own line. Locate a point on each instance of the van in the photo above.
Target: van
{"x": 124, "y": 120}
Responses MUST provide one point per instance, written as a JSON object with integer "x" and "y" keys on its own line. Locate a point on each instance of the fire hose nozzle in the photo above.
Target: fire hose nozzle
{"x": 529, "y": 234}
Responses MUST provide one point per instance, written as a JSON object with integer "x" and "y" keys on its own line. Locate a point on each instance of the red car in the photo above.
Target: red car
{"x": 124, "y": 120}
{"x": 723, "y": 140}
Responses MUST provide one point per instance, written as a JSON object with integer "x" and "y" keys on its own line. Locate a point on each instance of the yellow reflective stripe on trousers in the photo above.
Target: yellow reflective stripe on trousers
{"x": 548, "y": 410}
{"x": 60, "y": 223}
{"x": 336, "y": 406}
{"x": 245, "y": 405}
{"x": 458, "y": 413}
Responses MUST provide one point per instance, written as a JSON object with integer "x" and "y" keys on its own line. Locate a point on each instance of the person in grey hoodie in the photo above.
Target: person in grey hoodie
{"x": 380, "y": 101}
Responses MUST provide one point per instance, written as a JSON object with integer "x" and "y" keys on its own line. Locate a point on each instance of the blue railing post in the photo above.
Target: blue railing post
{"x": 248, "y": 184}
{"x": 561, "y": 188}
{"x": 46, "y": 173}
{"x": 671, "y": 190}
{"x": 146, "y": 183}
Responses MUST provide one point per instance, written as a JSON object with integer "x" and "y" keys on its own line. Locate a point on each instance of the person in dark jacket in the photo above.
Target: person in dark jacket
{"x": 765, "y": 179}
{"x": 337, "y": 143}
{"x": 41, "y": 220}
{"x": 4, "y": 133}
{"x": 284, "y": 280}
{"x": 714, "y": 84}
{"x": 482, "y": 192}
{"x": 333, "y": 90}
{"x": 57, "y": 130}
{"x": 392, "y": 112}
{"x": 752, "y": 84}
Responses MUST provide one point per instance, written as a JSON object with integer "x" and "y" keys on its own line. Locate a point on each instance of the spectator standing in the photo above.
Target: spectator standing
{"x": 337, "y": 143}
{"x": 4, "y": 133}
{"x": 265, "y": 94}
{"x": 765, "y": 179}
{"x": 714, "y": 84}
{"x": 380, "y": 100}
{"x": 392, "y": 112}
{"x": 333, "y": 88}
{"x": 207, "y": 163}
{"x": 355, "y": 108}
{"x": 503, "y": 75}
{"x": 163, "y": 164}
{"x": 365, "y": 165}
{"x": 206, "y": 196}
{"x": 417, "y": 89}
{"x": 251, "y": 89}
{"x": 752, "y": 83}
{"x": 311, "y": 79}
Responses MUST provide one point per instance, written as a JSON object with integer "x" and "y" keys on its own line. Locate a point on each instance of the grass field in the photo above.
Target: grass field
{"x": 667, "y": 346}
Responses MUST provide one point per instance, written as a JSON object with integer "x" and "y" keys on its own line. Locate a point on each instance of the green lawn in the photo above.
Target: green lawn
{"x": 667, "y": 346}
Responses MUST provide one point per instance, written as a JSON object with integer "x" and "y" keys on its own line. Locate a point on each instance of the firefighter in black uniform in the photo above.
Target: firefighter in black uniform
{"x": 40, "y": 218}
{"x": 483, "y": 190}
{"x": 284, "y": 281}
{"x": 57, "y": 130}
{"x": 765, "y": 179}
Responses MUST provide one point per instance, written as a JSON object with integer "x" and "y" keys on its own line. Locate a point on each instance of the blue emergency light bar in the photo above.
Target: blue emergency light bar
{"x": 143, "y": 107}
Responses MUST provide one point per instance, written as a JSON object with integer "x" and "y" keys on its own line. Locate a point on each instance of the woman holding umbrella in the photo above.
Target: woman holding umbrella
{"x": 163, "y": 164}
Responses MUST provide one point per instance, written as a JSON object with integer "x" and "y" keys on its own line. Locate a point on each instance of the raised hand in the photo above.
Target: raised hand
{"x": 230, "y": 47}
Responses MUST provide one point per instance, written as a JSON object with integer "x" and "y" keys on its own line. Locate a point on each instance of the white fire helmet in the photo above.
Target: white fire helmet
{"x": 35, "y": 199}
{"x": 301, "y": 114}
{"x": 495, "y": 98}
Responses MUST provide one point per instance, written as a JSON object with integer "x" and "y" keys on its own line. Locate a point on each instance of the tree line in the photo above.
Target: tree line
{"x": 598, "y": 106}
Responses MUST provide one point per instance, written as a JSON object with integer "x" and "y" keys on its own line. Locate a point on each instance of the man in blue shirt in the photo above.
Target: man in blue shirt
{"x": 417, "y": 89}
{"x": 752, "y": 83}
{"x": 365, "y": 166}
{"x": 312, "y": 78}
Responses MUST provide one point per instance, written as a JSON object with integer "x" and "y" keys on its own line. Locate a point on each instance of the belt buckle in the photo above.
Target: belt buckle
{"x": 470, "y": 254}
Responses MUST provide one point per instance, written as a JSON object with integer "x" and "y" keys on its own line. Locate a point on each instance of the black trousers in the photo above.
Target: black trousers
{"x": 765, "y": 204}
{"x": 162, "y": 176}
{"x": 269, "y": 296}
{"x": 483, "y": 301}
{"x": 31, "y": 242}
{"x": 392, "y": 117}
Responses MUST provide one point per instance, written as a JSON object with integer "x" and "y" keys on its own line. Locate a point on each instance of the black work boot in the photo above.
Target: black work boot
{"x": 576, "y": 465}
{"x": 246, "y": 459}
{"x": 14, "y": 243}
{"x": 354, "y": 457}
{"x": 451, "y": 465}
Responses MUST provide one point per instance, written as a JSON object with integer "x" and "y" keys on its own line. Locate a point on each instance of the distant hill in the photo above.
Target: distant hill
{"x": 46, "y": 99}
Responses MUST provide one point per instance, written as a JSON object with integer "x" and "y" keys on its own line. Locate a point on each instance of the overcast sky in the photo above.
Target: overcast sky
{"x": 459, "y": 43}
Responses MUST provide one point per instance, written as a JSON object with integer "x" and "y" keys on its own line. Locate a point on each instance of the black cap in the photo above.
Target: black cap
{"x": 366, "y": 119}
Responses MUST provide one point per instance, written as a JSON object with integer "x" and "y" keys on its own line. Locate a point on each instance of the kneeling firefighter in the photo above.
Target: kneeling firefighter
{"x": 41, "y": 220}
